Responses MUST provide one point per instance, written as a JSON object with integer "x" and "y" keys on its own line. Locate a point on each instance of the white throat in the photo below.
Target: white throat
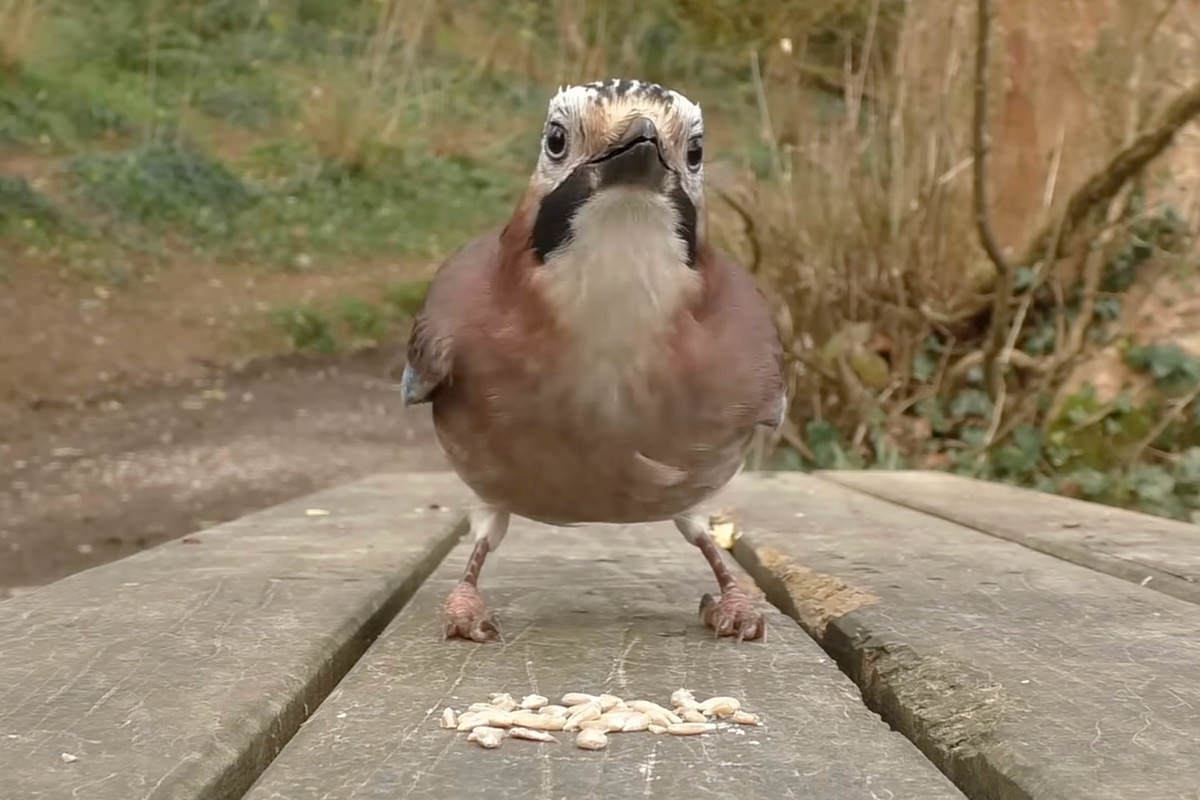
{"x": 616, "y": 286}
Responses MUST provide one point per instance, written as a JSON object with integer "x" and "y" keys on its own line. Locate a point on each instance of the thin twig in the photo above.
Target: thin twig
{"x": 1127, "y": 162}
{"x": 748, "y": 225}
{"x": 789, "y": 435}
{"x": 764, "y": 110}
{"x": 1174, "y": 409}
{"x": 987, "y": 236}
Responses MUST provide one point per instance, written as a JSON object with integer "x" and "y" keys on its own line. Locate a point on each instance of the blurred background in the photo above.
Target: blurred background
{"x": 218, "y": 216}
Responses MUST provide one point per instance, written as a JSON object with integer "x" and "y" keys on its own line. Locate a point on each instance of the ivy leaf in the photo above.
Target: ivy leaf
{"x": 971, "y": 403}
{"x": 924, "y": 366}
{"x": 1153, "y": 485}
{"x": 1021, "y": 456}
{"x": 822, "y": 439}
{"x": 1168, "y": 364}
{"x": 931, "y": 409}
{"x": 1092, "y": 483}
{"x": 1040, "y": 340}
{"x": 1108, "y": 308}
{"x": 973, "y": 436}
{"x": 1023, "y": 279}
{"x": 1188, "y": 468}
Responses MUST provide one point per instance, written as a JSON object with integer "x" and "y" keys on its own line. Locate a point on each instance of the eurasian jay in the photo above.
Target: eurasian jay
{"x": 597, "y": 360}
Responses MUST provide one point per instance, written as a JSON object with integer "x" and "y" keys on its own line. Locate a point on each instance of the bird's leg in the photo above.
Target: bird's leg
{"x": 734, "y": 613}
{"x": 464, "y": 613}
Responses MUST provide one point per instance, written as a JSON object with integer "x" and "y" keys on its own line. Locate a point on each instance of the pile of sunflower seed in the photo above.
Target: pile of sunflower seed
{"x": 591, "y": 717}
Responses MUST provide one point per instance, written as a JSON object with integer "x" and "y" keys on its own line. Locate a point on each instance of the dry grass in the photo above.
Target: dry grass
{"x": 863, "y": 231}
{"x": 350, "y": 116}
{"x": 19, "y": 24}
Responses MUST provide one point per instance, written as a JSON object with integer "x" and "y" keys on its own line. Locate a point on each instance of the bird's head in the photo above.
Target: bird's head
{"x": 623, "y": 144}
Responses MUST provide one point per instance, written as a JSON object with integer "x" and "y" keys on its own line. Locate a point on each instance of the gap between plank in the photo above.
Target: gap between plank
{"x": 876, "y": 666}
{"x": 1134, "y": 572}
{"x": 236, "y": 780}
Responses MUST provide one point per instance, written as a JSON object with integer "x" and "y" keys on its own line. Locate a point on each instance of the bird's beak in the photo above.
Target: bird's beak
{"x": 634, "y": 159}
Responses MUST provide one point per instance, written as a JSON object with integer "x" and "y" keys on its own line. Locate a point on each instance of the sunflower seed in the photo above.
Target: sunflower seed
{"x": 577, "y": 698}
{"x": 600, "y": 724}
{"x": 533, "y": 702}
{"x": 486, "y": 736}
{"x": 591, "y": 740}
{"x": 682, "y": 698}
{"x": 692, "y": 715}
{"x": 690, "y": 728}
{"x": 746, "y": 718}
{"x": 634, "y": 721}
{"x": 609, "y": 701}
{"x": 582, "y": 713}
{"x": 494, "y": 718}
{"x": 449, "y": 718}
{"x": 720, "y": 706}
{"x": 531, "y": 734}
{"x": 618, "y": 716}
{"x": 503, "y": 701}
{"x": 654, "y": 710}
{"x": 538, "y": 722}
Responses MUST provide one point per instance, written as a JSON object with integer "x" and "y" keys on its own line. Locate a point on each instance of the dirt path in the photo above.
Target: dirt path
{"x": 79, "y": 487}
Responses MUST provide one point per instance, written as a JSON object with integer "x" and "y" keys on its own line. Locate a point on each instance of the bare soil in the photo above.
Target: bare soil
{"x": 80, "y": 486}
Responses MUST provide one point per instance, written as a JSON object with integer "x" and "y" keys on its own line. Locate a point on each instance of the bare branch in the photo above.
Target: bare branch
{"x": 748, "y": 226}
{"x": 982, "y": 143}
{"x": 1102, "y": 186}
{"x": 1002, "y": 294}
{"x": 1174, "y": 409}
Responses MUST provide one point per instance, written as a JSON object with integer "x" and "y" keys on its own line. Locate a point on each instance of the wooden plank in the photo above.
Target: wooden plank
{"x": 591, "y": 609}
{"x": 1163, "y": 554}
{"x": 1019, "y": 674}
{"x": 179, "y": 672}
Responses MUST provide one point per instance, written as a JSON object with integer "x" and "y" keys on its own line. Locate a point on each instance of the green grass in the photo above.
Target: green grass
{"x": 23, "y": 207}
{"x": 348, "y": 321}
{"x": 409, "y": 204}
{"x": 406, "y": 298}
{"x": 306, "y": 328}
{"x": 364, "y": 320}
{"x": 163, "y": 182}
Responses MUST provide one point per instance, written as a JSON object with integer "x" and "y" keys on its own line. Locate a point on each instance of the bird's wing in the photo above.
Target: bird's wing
{"x": 429, "y": 361}
{"x": 447, "y": 307}
{"x": 744, "y": 342}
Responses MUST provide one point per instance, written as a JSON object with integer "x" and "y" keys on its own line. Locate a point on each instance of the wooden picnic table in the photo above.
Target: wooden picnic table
{"x": 955, "y": 639}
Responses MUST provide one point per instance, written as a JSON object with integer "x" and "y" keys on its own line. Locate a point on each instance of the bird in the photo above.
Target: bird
{"x": 597, "y": 359}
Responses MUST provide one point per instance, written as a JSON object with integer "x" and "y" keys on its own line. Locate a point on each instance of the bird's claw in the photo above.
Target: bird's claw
{"x": 734, "y": 613}
{"x": 465, "y": 616}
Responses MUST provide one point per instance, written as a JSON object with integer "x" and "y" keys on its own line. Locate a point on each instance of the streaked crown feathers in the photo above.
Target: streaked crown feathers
{"x": 596, "y": 109}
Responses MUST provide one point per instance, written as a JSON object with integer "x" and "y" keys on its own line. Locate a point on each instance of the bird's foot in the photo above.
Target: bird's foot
{"x": 734, "y": 613}
{"x": 465, "y": 615}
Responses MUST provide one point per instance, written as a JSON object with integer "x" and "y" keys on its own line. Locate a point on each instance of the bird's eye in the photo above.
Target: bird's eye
{"x": 695, "y": 153}
{"x": 556, "y": 141}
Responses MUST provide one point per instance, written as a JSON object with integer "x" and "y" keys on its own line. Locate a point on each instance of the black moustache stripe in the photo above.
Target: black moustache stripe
{"x": 552, "y": 228}
{"x": 685, "y": 228}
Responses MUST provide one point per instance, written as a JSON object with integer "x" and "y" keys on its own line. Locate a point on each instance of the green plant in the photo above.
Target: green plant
{"x": 306, "y": 328}
{"x": 20, "y": 21}
{"x": 163, "y": 181}
{"x": 20, "y": 204}
{"x": 407, "y": 298}
{"x": 363, "y": 319}
{"x": 1172, "y": 367}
